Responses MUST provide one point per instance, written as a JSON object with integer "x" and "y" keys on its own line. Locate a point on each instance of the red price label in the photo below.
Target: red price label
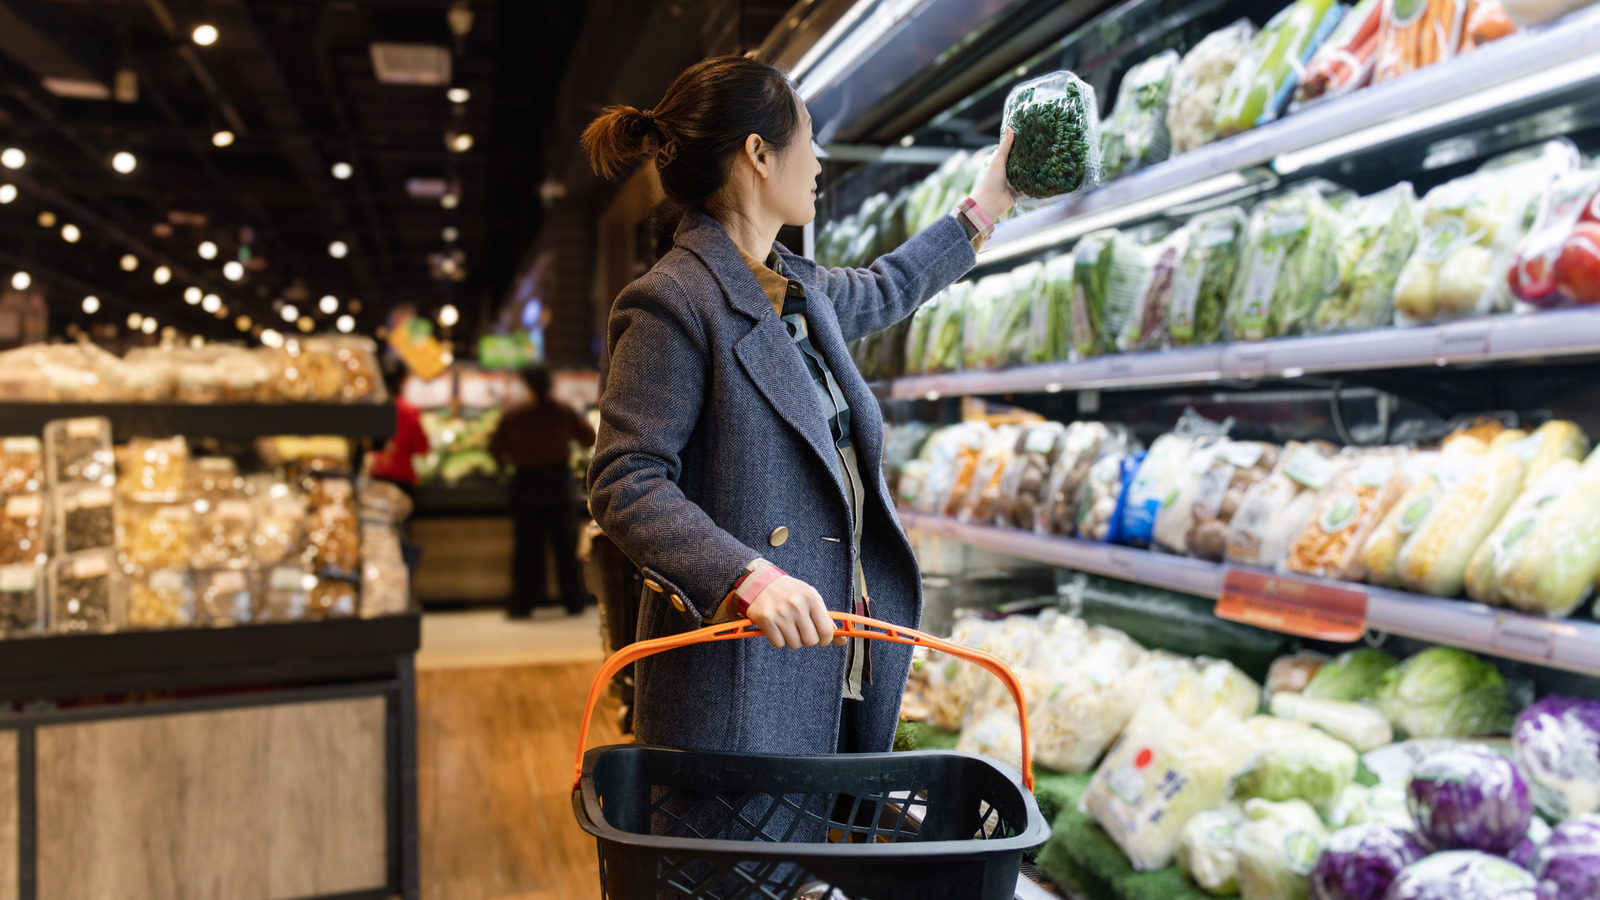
{"x": 1310, "y": 609}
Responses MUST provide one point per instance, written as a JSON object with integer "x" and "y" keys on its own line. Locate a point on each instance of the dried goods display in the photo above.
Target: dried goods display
{"x": 223, "y": 596}
{"x": 333, "y": 540}
{"x": 385, "y": 581}
{"x": 85, "y": 592}
{"x": 85, "y": 517}
{"x": 280, "y": 528}
{"x": 224, "y": 533}
{"x": 160, "y": 599}
{"x": 21, "y": 465}
{"x": 157, "y": 535}
{"x": 332, "y": 598}
{"x": 155, "y": 469}
{"x": 79, "y": 450}
{"x": 23, "y": 530}
{"x": 285, "y": 594}
{"x": 21, "y": 599}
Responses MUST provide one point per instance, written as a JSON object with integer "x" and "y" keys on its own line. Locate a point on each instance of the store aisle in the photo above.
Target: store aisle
{"x": 495, "y": 747}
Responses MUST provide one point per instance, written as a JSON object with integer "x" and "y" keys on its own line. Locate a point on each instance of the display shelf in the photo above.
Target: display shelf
{"x": 220, "y": 420}
{"x": 1568, "y": 644}
{"x": 1561, "y": 333}
{"x": 1492, "y": 80}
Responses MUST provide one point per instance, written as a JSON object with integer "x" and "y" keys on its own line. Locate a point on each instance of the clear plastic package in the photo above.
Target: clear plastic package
{"x": 24, "y": 529}
{"x": 1330, "y": 545}
{"x": 21, "y": 465}
{"x": 157, "y": 535}
{"x": 1428, "y": 476}
{"x": 385, "y": 581}
{"x": 1056, "y": 152}
{"x": 79, "y": 450}
{"x": 280, "y": 527}
{"x": 224, "y": 533}
{"x": 1167, "y": 463}
{"x": 1276, "y": 510}
{"x": 212, "y": 476}
{"x": 160, "y": 599}
{"x": 1105, "y": 489}
{"x": 21, "y": 600}
{"x": 980, "y": 498}
{"x": 1135, "y": 134}
{"x": 333, "y": 541}
{"x": 1380, "y": 234}
{"x": 1023, "y": 485}
{"x": 1434, "y": 560}
{"x": 1202, "y": 279}
{"x": 1287, "y": 267}
{"x": 1261, "y": 82}
{"x": 224, "y": 596}
{"x": 1049, "y": 331}
{"x": 1081, "y": 445}
{"x": 1236, "y": 467}
{"x": 1345, "y": 61}
{"x": 86, "y": 592}
{"x": 286, "y": 594}
{"x": 333, "y": 598}
{"x": 1549, "y": 550}
{"x": 85, "y": 517}
{"x": 156, "y": 469}
{"x": 1198, "y": 82}
{"x": 1146, "y": 328}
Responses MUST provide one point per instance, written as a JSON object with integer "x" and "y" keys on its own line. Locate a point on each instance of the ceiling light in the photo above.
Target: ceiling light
{"x": 135, "y": 320}
{"x": 458, "y": 95}
{"x": 449, "y": 315}
{"x": 450, "y": 201}
{"x": 346, "y": 324}
{"x": 13, "y": 158}
{"x": 305, "y": 324}
{"x": 91, "y": 304}
{"x": 162, "y": 275}
{"x": 223, "y": 138}
{"x": 342, "y": 170}
{"x": 451, "y": 234}
{"x": 205, "y": 35}
{"x": 47, "y": 219}
{"x": 271, "y": 338}
{"x": 211, "y": 303}
{"x": 124, "y": 162}
{"x": 233, "y": 270}
{"x": 191, "y": 295}
{"x": 289, "y": 312}
{"x": 208, "y": 250}
{"x": 70, "y": 233}
{"x": 148, "y": 326}
{"x": 128, "y": 262}
{"x": 242, "y": 323}
{"x": 8, "y": 193}
{"x": 338, "y": 249}
{"x": 329, "y": 304}
{"x": 461, "y": 143}
{"x": 21, "y": 281}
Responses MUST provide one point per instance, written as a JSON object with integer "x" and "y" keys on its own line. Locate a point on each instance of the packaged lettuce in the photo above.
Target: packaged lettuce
{"x": 1262, "y": 81}
{"x": 1381, "y": 232}
{"x": 1198, "y": 83}
{"x": 1010, "y": 330}
{"x": 1288, "y": 265}
{"x": 1091, "y": 270}
{"x": 1147, "y": 328}
{"x": 1353, "y": 675}
{"x": 944, "y": 331}
{"x": 1049, "y": 340}
{"x": 1127, "y": 288}
{"x": 1201, "y": 281}
{"x": 1313, "y": 767}
{"x": 977, "y": 324}
{"x": 1056, "y": 152}
{"x": 1135, "y": 134}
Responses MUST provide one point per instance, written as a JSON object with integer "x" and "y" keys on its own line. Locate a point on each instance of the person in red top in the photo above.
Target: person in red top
{"x": 536, "y": 437}
{"x": 396, "y": 461}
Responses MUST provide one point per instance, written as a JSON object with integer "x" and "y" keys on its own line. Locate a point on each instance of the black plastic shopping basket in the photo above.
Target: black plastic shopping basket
{"x": 681, "y": 825}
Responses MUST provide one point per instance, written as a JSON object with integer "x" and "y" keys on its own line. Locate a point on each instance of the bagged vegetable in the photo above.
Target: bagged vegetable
{"x": 1345, "y": 61}
{"x": 1429, "y": 476}
{"x": 1568, "y": 865}
{"x": 1418, "y": 33}
{"x": 1056, "y": 150}
{"x": 1160, "y": 774}
{"x": 1022, "y": 489}
{"x": 983, "y": 307}
{"x": 1528, "y": 13}
{"x": 1446, "y": 692}
{"x": 1198, "y": 82}
{"x": 1360, "y": 726}
{"x": 1008, "y": 337}
{"x": 1470, "y": 799}
{"x": 1312, "y": 767}
{"x": 1550, "y": 557}
{"x": 1201, "y": 281}
{"x": 1361, "y": 862}
{"x": 1081, "y": 445}
{"x": 943, "y": 353}
{"x": 1487, "y": 22}
{"x": 1237, "y": 467}
{"x": 1155, "y": 485}
{"x": 1089, "y": 703}
{"x": 1206, "y": 850}
{"x": 1175, "y": 512}
{"x": 1262, "y": 81}
{"x": 1292, "y": 673}
{"x": 1357, "y": 674}
{"x": 946, "y": 454}
{"x": 1288, "y": 265}
{"x": 1277, "y": 509}
{"x": 1135, "y": 134}
{"x": 1492, "y": 560}
{"x": 1196, "y": 689}
{"x": 1050, "y": 336}
{"x": 1147, "y": 328}
{"x": 1277, "y": 847}
{"x": 1091, "y": 275}
{"x": 1556, "y": 742}
{"x": 993, "y": 732}
{"x": 1380, "y": 235}
{"x": 1330, "y": 545}
{"x": 1101, "y": 502}
{"x": 1533, "y": 268}
{"x": 1127, "y": 288}
{"x": 1434, "y": 559}
{"x": 1463, "y": 875}
{"x": 974, "y": 496}
{"x": 1382, "y": 804}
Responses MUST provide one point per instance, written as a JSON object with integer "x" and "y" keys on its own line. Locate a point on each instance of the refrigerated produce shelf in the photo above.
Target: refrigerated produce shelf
{"x": 1561, "y": 333}
{"x": 1569, "y": 644}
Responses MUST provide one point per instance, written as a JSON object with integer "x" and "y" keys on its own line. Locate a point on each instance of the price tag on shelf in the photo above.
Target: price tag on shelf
{"x": 1246, "y": 360}
{"x": 1462, "y": 340}
{"x": 1119, "y": 367}
{"x": 1525, "y": 635}
{"x": 1121, "y": 562}
{"x": 1312, "y": 609}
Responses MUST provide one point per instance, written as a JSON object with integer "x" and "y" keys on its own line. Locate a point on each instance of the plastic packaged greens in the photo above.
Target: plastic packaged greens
{"x": 1380, "y": 234}
{"x": 1446, "y": 692}
{"x": 1135, "y": 134}
{"x": 1198, "y": 82}
{"x": 1277, "y": 847}
{"x": 1010, "y": 330}
{"x": 917, "y": 337}
{"x": 1206, "y": 850}
{"x": 1126, "y": 290}
{"x": 1262, "y": 81}
{"x": 1200, "y": 284}
{"x": 978, "y": 317}
{"x": 1286, "y": 268}
{"x": 1313, "y": 767}
{"x": 944, "y": 331}
{"x": 1049, "y": 337}
{"x": 1056, "y": 152}
{"x": 1091, "y": 275}
{"x": 1147, "y": 326}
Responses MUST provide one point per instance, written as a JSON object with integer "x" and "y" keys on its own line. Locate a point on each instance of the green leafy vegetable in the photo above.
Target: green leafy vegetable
{"x": 1353, "y": 675}
{"x": 1056, "y": 151}
{"x": 1446, "y": 692}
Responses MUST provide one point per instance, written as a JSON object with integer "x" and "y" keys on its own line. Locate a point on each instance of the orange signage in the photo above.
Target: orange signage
{"x": 1312, "y": 609}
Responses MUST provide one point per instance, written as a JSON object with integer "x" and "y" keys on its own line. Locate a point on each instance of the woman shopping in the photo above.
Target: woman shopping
{"x": 739, "y": 450}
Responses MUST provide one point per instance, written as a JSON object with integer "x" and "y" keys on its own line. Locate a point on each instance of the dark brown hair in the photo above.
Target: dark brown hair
{"x": 697, "y": 129}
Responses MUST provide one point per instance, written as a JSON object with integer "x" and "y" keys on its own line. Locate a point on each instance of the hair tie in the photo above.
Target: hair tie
{"x": 649, "y": 117}
{"x": 666, "y": 154}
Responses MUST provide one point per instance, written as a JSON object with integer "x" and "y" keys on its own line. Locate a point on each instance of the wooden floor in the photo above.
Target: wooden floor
{"x": 495, "y": 753}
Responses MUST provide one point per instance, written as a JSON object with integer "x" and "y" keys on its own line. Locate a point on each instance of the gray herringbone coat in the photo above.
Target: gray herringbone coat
{"x": 711, "y": 438}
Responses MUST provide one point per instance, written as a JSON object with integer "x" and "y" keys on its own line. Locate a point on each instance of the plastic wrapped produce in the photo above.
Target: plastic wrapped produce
{"x": 1533, "y": 268}
{"x": 1147, "y": 328}
{"x": 1293, "y": 672}
{"x": 1430, "y": 476}
{"x": 1009, "y": 332}
{"x": 948, "y": 693}
{"x": 1330, "y": 545}
{"x": 1568, "y": 864}
{"x": 1237, "y": 467}
{"x": 1434, "y": 560}
{"x": 24, "y": 529}
{"x": 1345, "y": 61}
{"x": 1550, "y": 443}
{"x": 1360, "y": 726}
{"x": 85, "y": 517}
{"x": 1201, "y": 281}
{"x": 160, "y": 599}
{"x": 157, "y": 470}
{"x": 947, "y": 453}
{"x": 1550, "y": 556}
{"x": 1081, "y": 445}
{"x": 983, "y": 308}
{"x": 1198, "y": 82}
{"x": 1262, "y": 81}
{"x": 1174, "y": 515}
{"x": 1380, "y": 234}
{"x": 1050, "y": 335}
{"x": 1206, "y": 850}
{"x": 1362, "y": 861}
{"x": 86, "y": 592}
{"x": 1556, "y": 742}
{"x": 1446, "y": 692}
{"x": 1277, "y": 847}
{"x": 1091, "y": 275}
{"x": 1127, "y": 289}
{"x": 1276, "y": 510}
{"x": 1417, "y": 34}
{"x": 157, "y": 535}
{"x": 944, "y": 332}
{"x": 1164, "y": 467}
{"x": 1382, "y": 804}
{"x": 1024, "y": 485}
{"x": 1353, "y": 675}
{"x": 79, "y": 450}
{"x": 1487, "y": 22}
{"x": 1470, "y": 799}
{"x": 1100, "y": 503}
{"x": 224, "y": 596}
{"x": 1492, "y": 561}
{"x": 21, "y": 465}
{"x": 1135, "y": 134}
{"x": 385, "y": 582}
{"x": 1313, "y": 767}
{"x": 1159, "y": 775}
{"x": 21, "y": 599}
{"x": 1056, "y": 151}
{"x": 1528, "y": 13}
{"x": 974, "y": 495}
{"x": 1089, "y": 703}
{"x": 993, "y": 732}
{"x": 1463, "y": 875}
{"x": 917, "y": 338}
{"x": 1287, "y": 267}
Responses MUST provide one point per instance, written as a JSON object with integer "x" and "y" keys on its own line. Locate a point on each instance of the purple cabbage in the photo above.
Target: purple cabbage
{"x": 1463, "y": 875}
{"x": 1470, "y": 798}
{"x": 1361, "y": 861}
{"x": 1568, "y": 865}
{"x": 1557, "y": 743}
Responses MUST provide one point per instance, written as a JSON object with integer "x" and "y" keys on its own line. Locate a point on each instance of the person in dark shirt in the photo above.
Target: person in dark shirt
{"x": 536, "y": 437}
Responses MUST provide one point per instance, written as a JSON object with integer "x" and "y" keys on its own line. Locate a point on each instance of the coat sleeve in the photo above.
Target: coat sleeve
{"x": 654, "y": 390}
{"x": 871, "y": 299}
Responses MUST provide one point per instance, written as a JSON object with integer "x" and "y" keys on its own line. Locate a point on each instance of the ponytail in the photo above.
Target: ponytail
{"x": 618, "y": 139}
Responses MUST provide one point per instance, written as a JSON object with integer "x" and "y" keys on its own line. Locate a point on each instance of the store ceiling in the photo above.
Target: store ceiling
{"x": 295, "y": 83}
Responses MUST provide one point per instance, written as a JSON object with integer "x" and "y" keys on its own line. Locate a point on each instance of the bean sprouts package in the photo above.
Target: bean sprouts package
{"x": 1214, "y": 484}
{"x": 21, "y": 600}
{"x": 1198, "y": 81}
{"x": 1135, "y": 134}
{"x": 1105, "y": 490}
{"x": 1159, "y": 775}
{"x": 1056, "y": 151}
{"x": 1545, "y": 556}
{"x": 79, "y": 450}
{"x": 1380, "y": 234}
{"x": 1277, "y": 509}
{"x": 1201, "y": 281}
{"x": 994, "y": 732}
{"x": 86, "y": 592}
{"x": 1434, "y": 559}
{"x": 1330, "y": 545}
{"x": 1088, "y": 702}
{"x": 1287, "y": 268}
{"x": 1023, "y": 487}
{"x": 1261, "y": 82}
{"x": 1050, "y": 335}
{"x": 1164, "y": 466}
{"x": 1147, "y": 327}
{"x": 1197, "y": 689}
{"x": 1081, "y": 445}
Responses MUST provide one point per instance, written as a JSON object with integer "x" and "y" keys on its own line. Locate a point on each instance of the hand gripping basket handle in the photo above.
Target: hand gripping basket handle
{"x": 853, "y": 626}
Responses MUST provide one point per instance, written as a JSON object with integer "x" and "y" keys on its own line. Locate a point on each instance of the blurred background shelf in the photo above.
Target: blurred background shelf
{"x": 227, "y": 420}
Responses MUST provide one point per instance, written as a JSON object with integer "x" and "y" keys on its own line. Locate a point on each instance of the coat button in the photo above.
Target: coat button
{"x": 652, "y": 585}
{"x": 779, "y": 535}
{"x": 678, "y": 604}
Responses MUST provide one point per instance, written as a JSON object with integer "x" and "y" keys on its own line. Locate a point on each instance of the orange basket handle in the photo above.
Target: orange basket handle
{"x": 853, "y": 626}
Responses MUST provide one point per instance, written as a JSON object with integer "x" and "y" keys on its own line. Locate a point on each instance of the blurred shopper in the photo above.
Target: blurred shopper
{"x": 396, "y": 462}
{"x": 536, "y": 437}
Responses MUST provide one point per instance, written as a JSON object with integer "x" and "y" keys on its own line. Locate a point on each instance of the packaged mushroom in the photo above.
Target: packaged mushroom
{"x": 1023, "y": 485}
{"x": 85, "y": 517}
{"x": 1237, "y": 467}
{"x": 21, "y": 600}
{"x": 1202, "y": 488}
{"x": 1083, "y": 443}
{"x": 1104, "y": 489}
{"x": 1330, "y": 545}
{"x": 1276, "y": 510}
{"x": 21, "y": 465}
{"x": 224, "y": 533}
{"x": 23, "y": 529}
{"x": 85, "y": 592}
{"x": 223, "y": 596}
{"x": 155, "y": 469}
{"x": 79, "y": 450}
{"x": 160, "y": 599}
{"x": 157, "y": 535}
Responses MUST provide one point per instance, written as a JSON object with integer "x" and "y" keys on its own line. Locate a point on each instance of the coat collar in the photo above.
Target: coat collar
{"x": 705, "y": 237}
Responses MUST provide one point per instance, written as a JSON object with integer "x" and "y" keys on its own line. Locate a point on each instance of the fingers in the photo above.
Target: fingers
{"x": 791, "y": 635}
{"x": 824, "y": 624}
